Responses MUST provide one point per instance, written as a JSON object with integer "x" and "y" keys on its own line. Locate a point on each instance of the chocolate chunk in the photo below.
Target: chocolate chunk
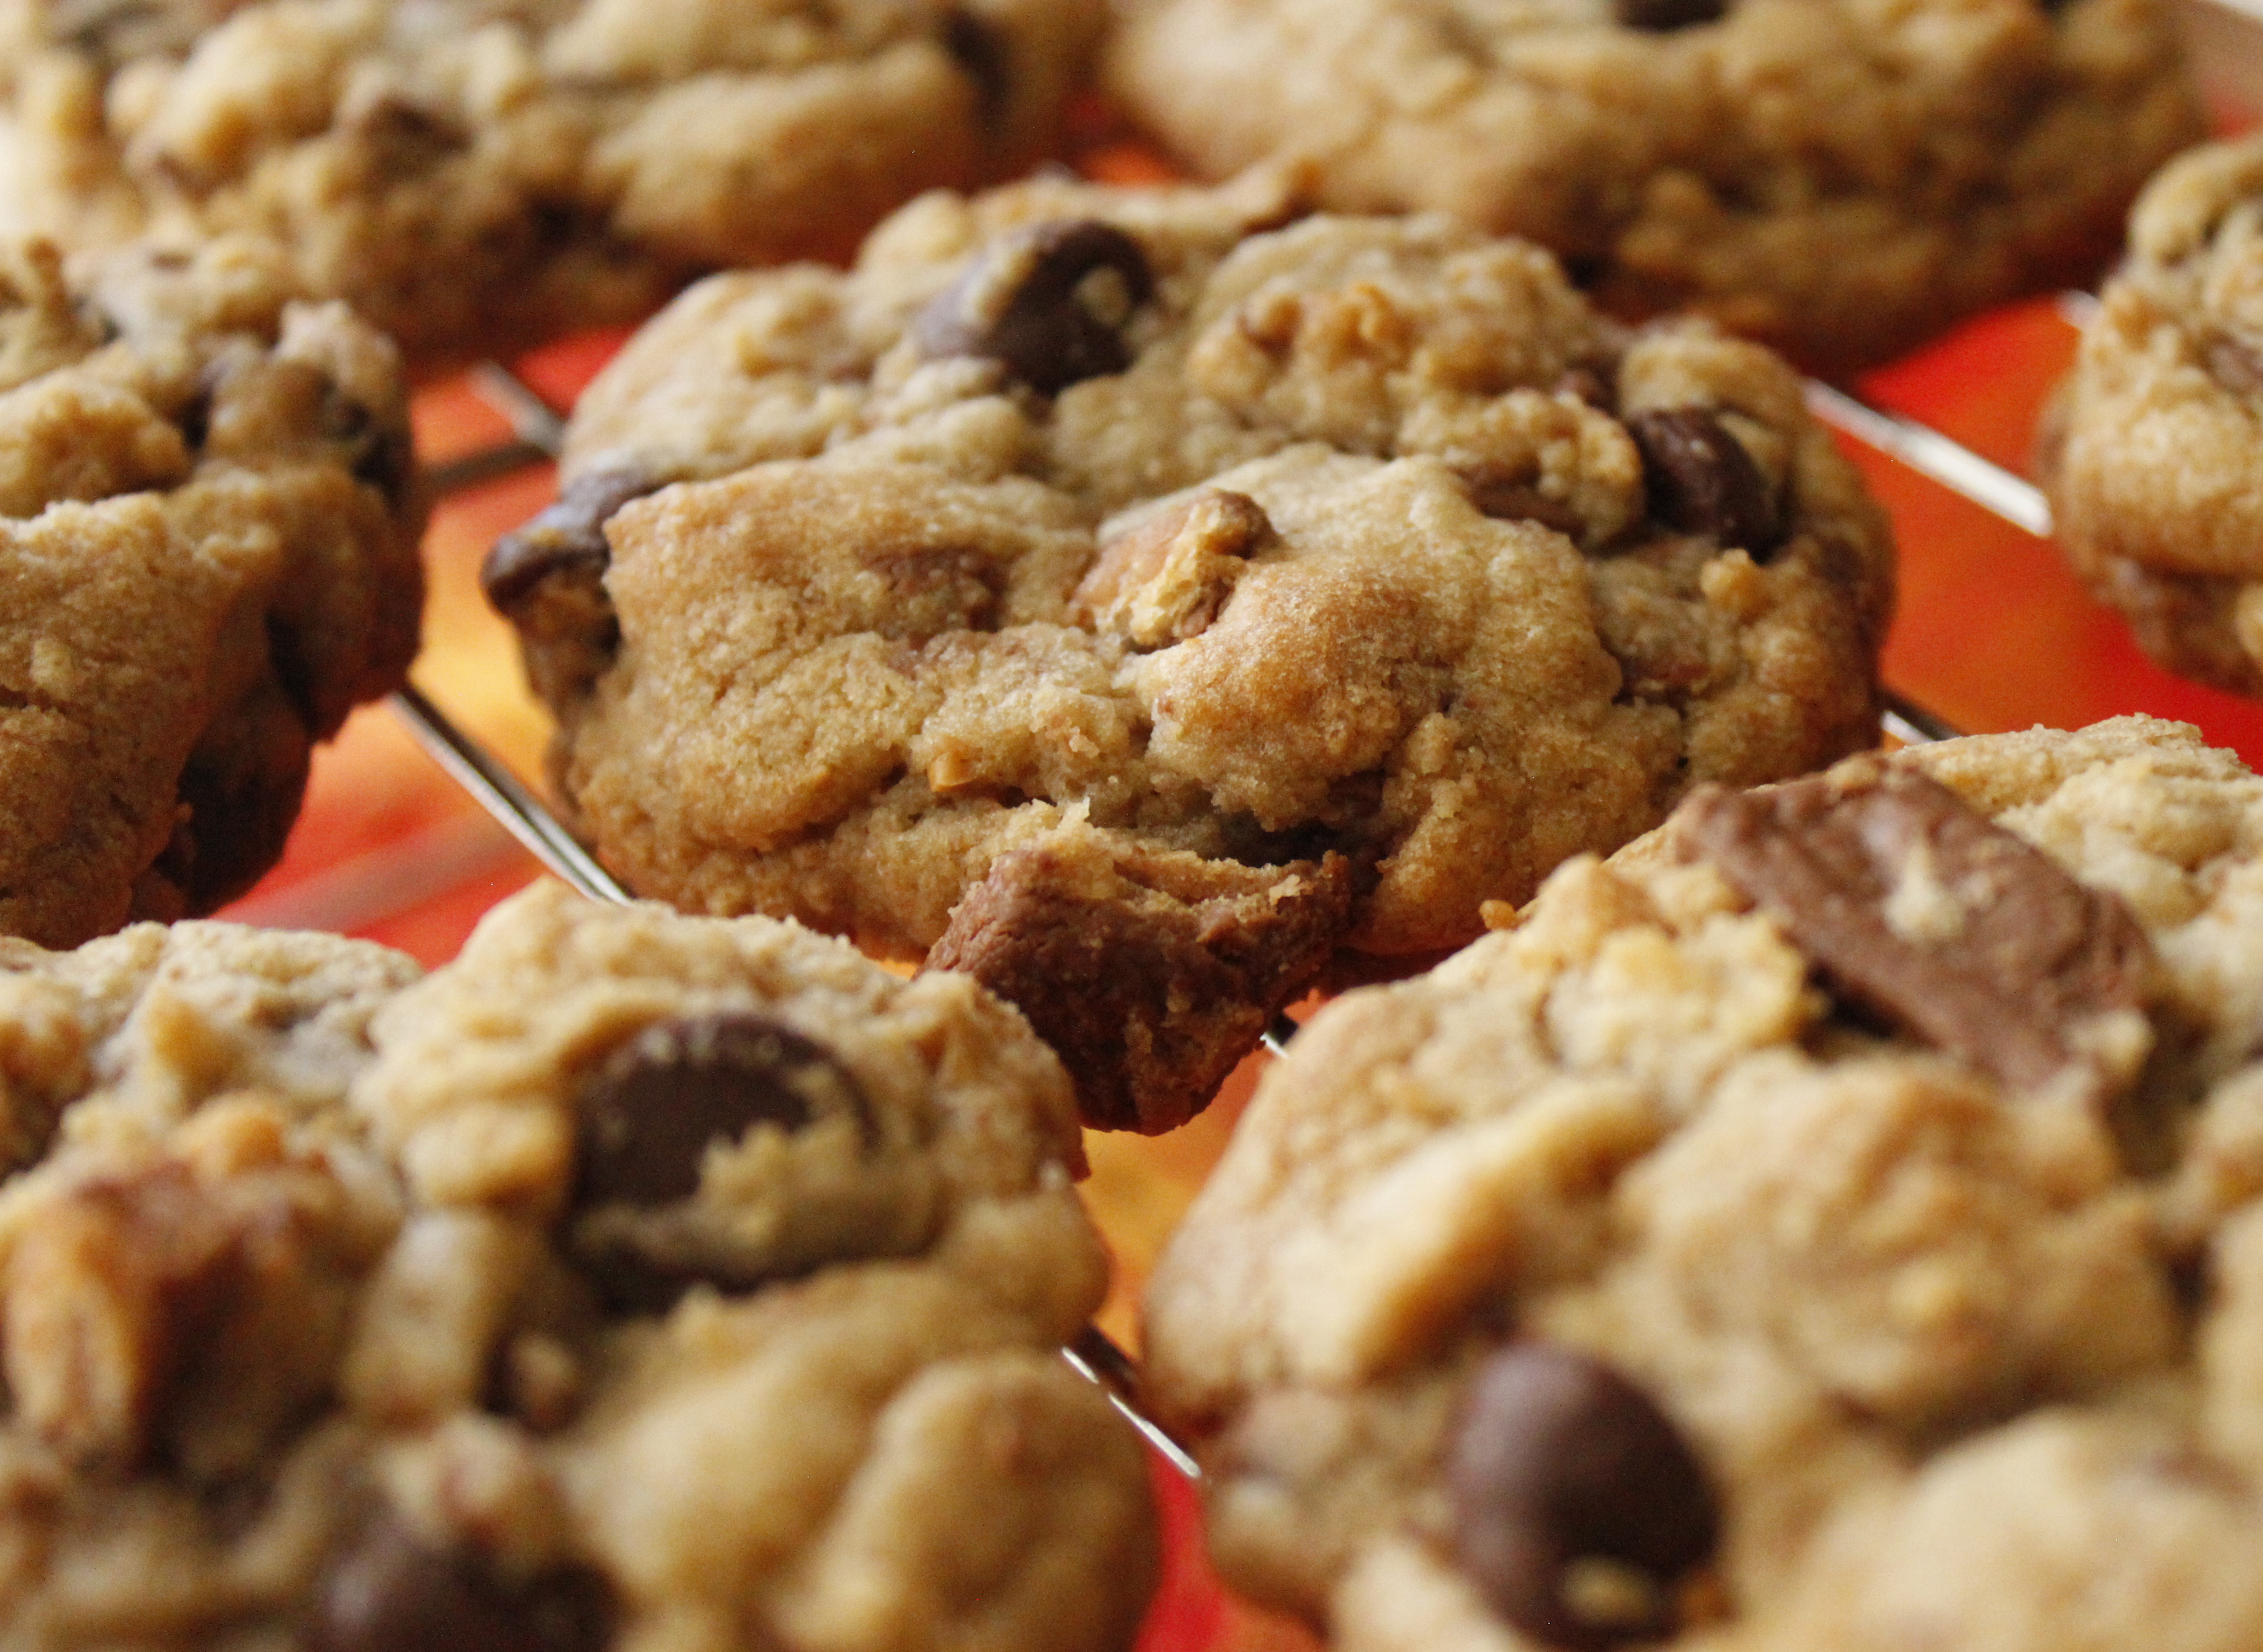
{"x": 384, "y": 1589}
{"x": 1513, "y": 497}
{"x": 1701, "y": 481}
{"x": 1577, "y": 1504}
{"x": 648, "y": 1111}
{"x": 1150, "y": 975}
{"x": 1166, "y": 580}
{"x": 1928, "y": 913}
{"x": 570, "y": 535}
{"x": 1662, "y": 17}
{"x": 1592, "y": 383}
{"x": 1050, "y": 301}
{"x": 981, "y": 53}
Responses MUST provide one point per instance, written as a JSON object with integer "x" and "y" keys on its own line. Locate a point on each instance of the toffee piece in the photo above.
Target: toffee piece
{"x": 1779, "y": 1234}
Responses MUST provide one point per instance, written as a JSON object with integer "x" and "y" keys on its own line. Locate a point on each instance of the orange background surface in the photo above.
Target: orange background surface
{"x": 1992, "y": 633}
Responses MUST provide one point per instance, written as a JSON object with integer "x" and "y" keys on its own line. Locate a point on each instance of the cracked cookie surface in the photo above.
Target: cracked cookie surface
{"x": 1842, "y": 179}
{"x": 2147, "y": 448}
{"x": 1167, "y": 523}
{"x": 208, "y": 523}
{"x": 466, "y": 171}
{"x": 634, "y": 1282}
{"x": 1831, "y": 1222}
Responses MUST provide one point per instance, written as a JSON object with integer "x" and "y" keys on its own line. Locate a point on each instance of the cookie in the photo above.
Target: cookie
{"x": 1354, "y": 562}
{"x": 475, "y": 173}
{"x": 208, "y": 520}
{"x": 1832, "y": 1221}
{"x": 632, "y": 1280}
{"x": 2147, "y": 451}
{"x": 1840, "y": 179}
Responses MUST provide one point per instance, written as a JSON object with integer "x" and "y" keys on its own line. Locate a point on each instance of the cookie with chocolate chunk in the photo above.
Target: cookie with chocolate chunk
{"x": 208, "y": 523}
{"x": 633, "y": 1278}
{"x": 1829, "y": 1221}
{"x": 1291, "y": 584}
{"x": 2148, "y": 453}
{"x": 477, "y": 172}
{"x": 1840, "y": 179}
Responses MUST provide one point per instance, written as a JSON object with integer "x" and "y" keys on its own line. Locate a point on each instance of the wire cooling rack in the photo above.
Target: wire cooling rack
{"x": 2225, "y": 38}
{"x": 538, "y": 433}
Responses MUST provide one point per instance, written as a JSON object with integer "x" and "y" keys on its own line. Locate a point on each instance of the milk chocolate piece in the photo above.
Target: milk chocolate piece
{"x": 1928, "y": 913}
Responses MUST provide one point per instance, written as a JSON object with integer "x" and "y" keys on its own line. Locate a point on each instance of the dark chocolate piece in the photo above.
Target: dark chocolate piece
{"x": 384, "y": 1589}
{"x": 1050, "y": 301}
{"x": 1701, "y": 481}
{"x": 1578, "y": 1506}
{"x": 648, "y": 1112}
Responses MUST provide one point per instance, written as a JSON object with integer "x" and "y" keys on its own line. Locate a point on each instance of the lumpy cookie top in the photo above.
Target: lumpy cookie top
{"x": 310, "y": 1343}
{"x": 1831, "y": 1222}
{"x": 467, "y": 171}
{"x": 1839, "y": 176}
{"x": 1161, "y": 530}
{"x": 2149, "y": 454}
{"x": 208, "y": 521}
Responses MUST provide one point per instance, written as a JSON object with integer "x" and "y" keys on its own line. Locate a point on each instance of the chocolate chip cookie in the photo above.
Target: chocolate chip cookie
{"x": 1165, "y": 567}
{"x": 1839, "y": 178}
{"x": 633, "y": 1280}
{"x": 471, "y": 173}
{"x": 1831, "y": 1222}
{"x": 208, "y": 523}
{"x": 2148, "y": 453}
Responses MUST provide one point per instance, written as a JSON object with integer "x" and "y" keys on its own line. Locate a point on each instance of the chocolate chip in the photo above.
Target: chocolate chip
{"x": 378, "y": 452}
{"x": 1662, "y": 17}
{"x": 1928, "y": 914}
{"x": 980, "y": 51}
{"x": 650, "y": 1109}
{"x": 384, "y": 1589}
{"x": 1565, "y": 1475}
{"x": 1701, "y": 481}
{"x": 1050, "y": 301}
{"x": 569, "y": 534}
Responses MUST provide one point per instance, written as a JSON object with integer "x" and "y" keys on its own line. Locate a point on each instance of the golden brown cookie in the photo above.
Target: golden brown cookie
{"x": 471, "y": 173}
{"x": 1356, "y": 560}
{"x": 1841, "y": 178}
{"x": 1829, "y": 1221}
{"x": 2149, "y": 451}
{"x": 208, "y": 521}
{"x": 633, "y": 1280}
